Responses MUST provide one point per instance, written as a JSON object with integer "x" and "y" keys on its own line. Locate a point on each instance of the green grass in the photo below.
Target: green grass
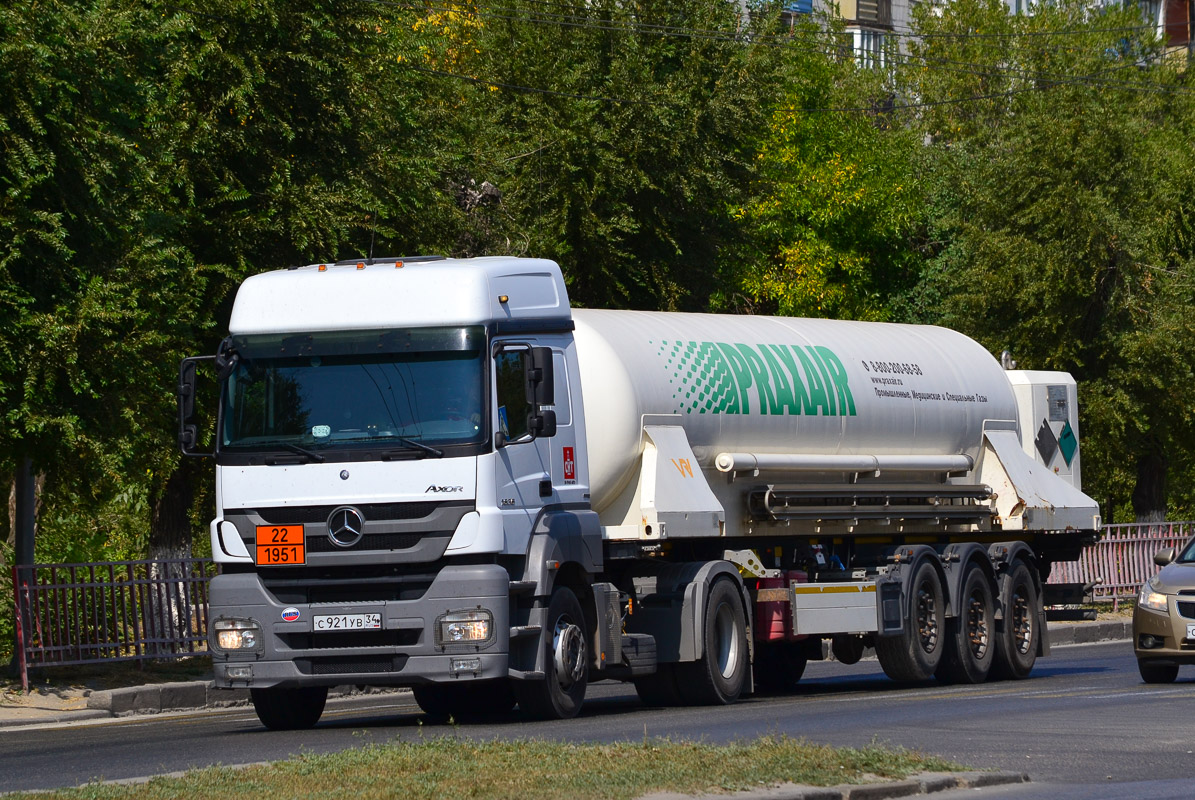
{"x": 446, "y": 767}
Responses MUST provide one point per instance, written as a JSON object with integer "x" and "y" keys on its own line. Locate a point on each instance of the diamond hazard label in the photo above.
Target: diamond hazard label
{"x": 570, "y": 465}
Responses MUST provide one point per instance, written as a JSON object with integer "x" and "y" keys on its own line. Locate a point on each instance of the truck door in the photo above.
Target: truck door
{"x": 524, "y": 464}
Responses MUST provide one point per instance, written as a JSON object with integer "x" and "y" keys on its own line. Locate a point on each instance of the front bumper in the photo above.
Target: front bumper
{"x": 1171, "y": 632}
{"x": 404, "y": 652}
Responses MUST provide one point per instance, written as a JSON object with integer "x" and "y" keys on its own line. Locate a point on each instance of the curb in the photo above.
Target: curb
{"x": 925, "y": 783}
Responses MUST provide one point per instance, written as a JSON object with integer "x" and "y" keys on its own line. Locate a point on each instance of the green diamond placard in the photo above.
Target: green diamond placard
{"x": 1068, "y": 443}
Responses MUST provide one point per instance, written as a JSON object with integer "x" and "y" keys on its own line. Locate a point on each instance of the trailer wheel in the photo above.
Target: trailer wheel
{"x": 916, "y": 652}
{"x": 779, "y": 665}
{"x": 464, "y": 700}
{"x": 566, "y": 662}
{"x": 970, "y": 637}
{"x": 289, "y": 709}
{"x": 1152, "y": 672}
{"x": 1016, "y": 645}
{"x": 718, "y": 677}
{"x": 659, "y": 688}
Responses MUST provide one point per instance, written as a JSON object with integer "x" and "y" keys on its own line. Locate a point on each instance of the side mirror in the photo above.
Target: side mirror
{"x": 1164, "y": 557}
{"x": 188, "y": 431}
{"x": 542, "y": 423}
{"x": 541, "y": 383}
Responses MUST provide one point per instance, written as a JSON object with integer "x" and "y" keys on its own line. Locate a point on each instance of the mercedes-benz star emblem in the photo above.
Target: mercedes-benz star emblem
{"x": 345, "y": 526}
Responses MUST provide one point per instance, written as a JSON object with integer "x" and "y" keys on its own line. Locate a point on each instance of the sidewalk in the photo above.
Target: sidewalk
{"x": 53, "y": 704}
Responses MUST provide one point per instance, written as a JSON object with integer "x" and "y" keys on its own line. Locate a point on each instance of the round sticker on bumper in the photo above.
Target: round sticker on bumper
{"x": 290, "y": 614}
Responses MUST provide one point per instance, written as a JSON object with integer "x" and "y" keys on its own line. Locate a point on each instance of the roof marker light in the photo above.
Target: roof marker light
{"x": 503, "y": 298}
{"x": 323, "y": 267}
{"x": 360, "y": 265}
{"x": 398, "y": 265}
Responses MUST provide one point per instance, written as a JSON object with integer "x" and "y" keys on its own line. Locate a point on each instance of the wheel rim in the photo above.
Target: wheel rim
{"x": 1022, "y": 623}
{"x": 727, "y": 640}
{"x": 568, "y": 649}
{"x": 927, "y": 618}
{"x": 978, "y": 635}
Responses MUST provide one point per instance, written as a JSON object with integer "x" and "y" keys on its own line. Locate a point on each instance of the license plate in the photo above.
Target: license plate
{"x": 281, "y": 545}
{"x": 1190, "y": 631}
{"x": 347, "y": 622}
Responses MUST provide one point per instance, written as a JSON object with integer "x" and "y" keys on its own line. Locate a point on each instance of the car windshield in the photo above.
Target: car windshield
{"x": 1187, "y": 556}
{"x": 396, "y": 389}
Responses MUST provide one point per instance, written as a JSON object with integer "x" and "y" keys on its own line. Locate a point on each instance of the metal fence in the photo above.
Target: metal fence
{"x": 110, "y": 611}
{"x": 1122, "y": 559}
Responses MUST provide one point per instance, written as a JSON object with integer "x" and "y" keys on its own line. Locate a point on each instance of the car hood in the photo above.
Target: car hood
{"x": 1175, "y": 577}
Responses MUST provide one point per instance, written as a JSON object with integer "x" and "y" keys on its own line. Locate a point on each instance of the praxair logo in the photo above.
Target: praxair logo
{"x": 436, "y": 489}
{"x": 720, "y": 378}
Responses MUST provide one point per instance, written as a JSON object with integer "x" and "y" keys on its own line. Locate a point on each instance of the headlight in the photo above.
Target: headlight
{"x": 1148, "y": 598}
{"x": 465, "y": 627}
{"x": 237, "y": 634}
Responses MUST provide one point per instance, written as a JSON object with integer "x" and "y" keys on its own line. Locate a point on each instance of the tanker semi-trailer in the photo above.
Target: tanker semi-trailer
{"x": 434, "y": 473}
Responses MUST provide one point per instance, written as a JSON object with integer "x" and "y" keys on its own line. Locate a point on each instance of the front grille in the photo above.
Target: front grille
{"x": 347, "y": 665}
{"x": 334, "y": 641}
{"x": 1186, "y": 609}
{"x": 373, "y": 512}
{"x": 354, "y": 584}
{"x": 374, "y": 541}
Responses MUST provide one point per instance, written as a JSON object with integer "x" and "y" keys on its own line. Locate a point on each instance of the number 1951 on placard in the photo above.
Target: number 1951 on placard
{"x": 281, "y": 545}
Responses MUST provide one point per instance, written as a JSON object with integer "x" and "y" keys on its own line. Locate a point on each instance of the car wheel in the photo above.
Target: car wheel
{"x": 1152, "y": 672}
{"x": 289, "y": 709}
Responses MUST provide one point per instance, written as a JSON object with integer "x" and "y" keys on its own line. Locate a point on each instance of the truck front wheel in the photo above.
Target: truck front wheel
{"x": 289, "y": 709}
{"x": 561, "y": 692}
{"x": 718, "y": 676}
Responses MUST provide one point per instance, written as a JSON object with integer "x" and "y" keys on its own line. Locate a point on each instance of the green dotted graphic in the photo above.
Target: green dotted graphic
{"x": 700, "y": 376}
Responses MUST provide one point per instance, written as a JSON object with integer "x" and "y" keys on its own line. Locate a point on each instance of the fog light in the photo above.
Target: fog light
{"x": 465, "y": 627}
{"x": 460, "y": 665}
{"x": 243, "y": 673}
{"x": 237, "y": 634}
{"x": 1149, "y": 642}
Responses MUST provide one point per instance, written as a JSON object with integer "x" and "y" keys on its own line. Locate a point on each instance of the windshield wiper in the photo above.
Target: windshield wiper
{"x": 303, "y": 451}
{"x": 411, "y": 443}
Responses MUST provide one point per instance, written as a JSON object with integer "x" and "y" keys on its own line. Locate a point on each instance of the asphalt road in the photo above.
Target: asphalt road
{"x": 1083, "y": 726}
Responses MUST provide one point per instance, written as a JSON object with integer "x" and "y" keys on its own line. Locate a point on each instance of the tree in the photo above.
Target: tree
{"x": 1064, "y": 219}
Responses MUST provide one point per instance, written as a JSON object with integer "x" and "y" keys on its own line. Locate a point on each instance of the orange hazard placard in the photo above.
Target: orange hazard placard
{"x": 281, "y": 545}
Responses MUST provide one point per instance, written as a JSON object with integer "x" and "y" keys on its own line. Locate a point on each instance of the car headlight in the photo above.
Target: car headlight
{"x": 465, "y": 627}
{"x": 237, "y": 634}
{"x": 1150, "y": 598}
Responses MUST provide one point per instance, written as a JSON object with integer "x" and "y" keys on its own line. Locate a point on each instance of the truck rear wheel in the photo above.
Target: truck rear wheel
{"x": 464, "y": 700}
{"x": 561, "y": 692}
{"x": 916, "y": 652}
{"x": 970, "y": 637}
{"x": 289, "y": 709}
{"x": 718, "y": 676}
{"x": 1016, "y": 645}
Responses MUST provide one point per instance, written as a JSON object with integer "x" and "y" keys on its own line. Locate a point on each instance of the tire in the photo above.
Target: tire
{"x": 1152, "y": 672}
{"x": 289, "y": 709}
{"x": 659, "y": 688}
{"x": 462, "y": 701}
{"x": 779, "y": 665}
{"x": 561, "y": 692}
{"x": 914, "y": 655}
{"x": 718, "y": 677}
{"x": 971, "y": 636}
{"x": 1018, "y": 638}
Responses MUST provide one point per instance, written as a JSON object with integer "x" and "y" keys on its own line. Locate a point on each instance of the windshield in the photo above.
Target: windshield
{"x": 1187, "y": 555}
{"x": 415, "y": 389}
